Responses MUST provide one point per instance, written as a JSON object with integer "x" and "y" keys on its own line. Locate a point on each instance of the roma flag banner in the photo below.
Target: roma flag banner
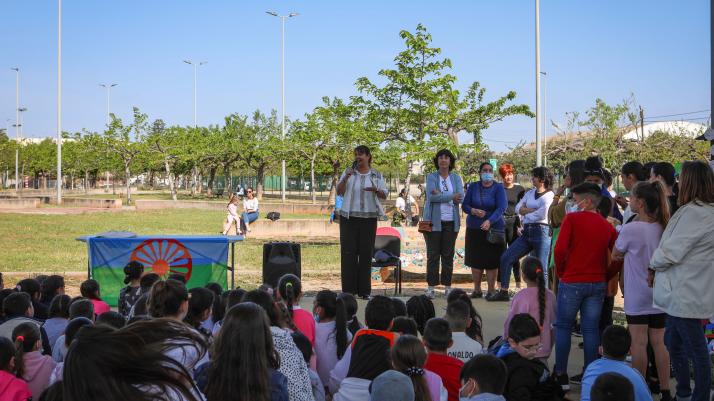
{"x": 200, "y": 259}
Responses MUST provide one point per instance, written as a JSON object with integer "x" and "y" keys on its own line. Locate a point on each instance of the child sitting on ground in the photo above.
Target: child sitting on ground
{"x": 90, "y": 289}
{"x": 290, "y": 291}
{"x": 528, "y": 377}
{"x": 463, "y": 347}
{"x": 30, "y": 364}
{"x": 616, "y": 342}
{"x": 351, "y": 307}
{"x": 303, "y": 344}
{"x": 409, "y": 356}
{"x": 437, "y": 338}
{"x": 131, "y": 293}
{"x": 12, "y": 388}
{"x": 612, "y": 386}
{"x": 483, "y": 378}
{"x": 537, "y": 301}
{"x": 367, "y": 356}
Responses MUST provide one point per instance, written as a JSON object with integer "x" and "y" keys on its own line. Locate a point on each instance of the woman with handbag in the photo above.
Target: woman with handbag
{"x": 484, "y": 203}
{"x": 361, "y": 187}
{"x": 533, "y": 209}
{"x": 441, "y": 220}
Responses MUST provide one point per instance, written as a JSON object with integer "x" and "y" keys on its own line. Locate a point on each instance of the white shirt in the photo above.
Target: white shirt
{"x": 447, "y": 208}
{"x": 541, "y": 205}
{"x": 359, "y": 203}
{"x": 464, "y": 347}
{"x": 401, "y": 204}
{"x": 250, "y": 204}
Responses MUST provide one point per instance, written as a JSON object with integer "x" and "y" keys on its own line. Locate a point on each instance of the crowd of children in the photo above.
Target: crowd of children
{"x": 169, "y": 342}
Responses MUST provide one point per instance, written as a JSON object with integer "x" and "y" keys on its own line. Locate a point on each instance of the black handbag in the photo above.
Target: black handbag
{"x": 495, "y": 236}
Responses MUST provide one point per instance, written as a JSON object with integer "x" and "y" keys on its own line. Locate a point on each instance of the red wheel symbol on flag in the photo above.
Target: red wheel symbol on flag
{"x": 164, "y": 257}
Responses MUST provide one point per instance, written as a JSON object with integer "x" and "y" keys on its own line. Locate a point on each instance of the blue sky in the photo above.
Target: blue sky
{"x": 658, "y": 50}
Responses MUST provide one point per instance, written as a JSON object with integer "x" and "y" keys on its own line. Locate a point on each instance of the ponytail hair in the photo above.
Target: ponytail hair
{"x": 350, "y": 303}
{"x": 166, "y": 298}
{"x": 201, "y": 299}
{"x": 7, "y": 352}
{"x": 409, "y": 356}
{"x": 654, "y": 198}
{"x": 25, "y": 336}
{"x": 289, "y": 288}
{"x": 334, "y": 308}
{"x": 532, "y": 270}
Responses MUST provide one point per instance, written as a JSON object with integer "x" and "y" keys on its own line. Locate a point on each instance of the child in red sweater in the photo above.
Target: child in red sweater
{"x": 437, "y": 338}
{"x": 582, "y": 259}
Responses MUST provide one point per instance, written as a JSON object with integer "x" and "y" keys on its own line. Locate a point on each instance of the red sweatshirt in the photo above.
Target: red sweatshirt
{"x": 582, "y": 251}
{"x": 449, "y": 369}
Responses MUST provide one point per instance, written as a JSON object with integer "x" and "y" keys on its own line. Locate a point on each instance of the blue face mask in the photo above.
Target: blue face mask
{"x": 317, "y": 318}
{"x": 487, "y": 177}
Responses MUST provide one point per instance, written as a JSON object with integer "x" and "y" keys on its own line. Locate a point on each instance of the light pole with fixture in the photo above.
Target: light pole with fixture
{"x": 17, "y": 126}
{"x": 108, "y": 87}
{"x": 195, "y": 67}
{"x": 282, "y": 85}
{"x": 545, "y": 122}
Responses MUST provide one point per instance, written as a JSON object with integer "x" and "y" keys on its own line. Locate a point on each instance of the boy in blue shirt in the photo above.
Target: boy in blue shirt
{"x": 615, "y": 346}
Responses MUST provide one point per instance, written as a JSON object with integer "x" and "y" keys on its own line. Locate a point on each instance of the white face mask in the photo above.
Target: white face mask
{"x": 462, "y": 396}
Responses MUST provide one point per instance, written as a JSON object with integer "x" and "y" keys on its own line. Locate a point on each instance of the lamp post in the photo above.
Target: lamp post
{"x": 195, "y": 73}
{"x": 59, "y": 102}
{"x": 108, "y": 87}
{"x": 282, "y": 85}
{"x": 545, "y": 121}
{"x": 539, "y": 154}
{"x": 17, "y": 126}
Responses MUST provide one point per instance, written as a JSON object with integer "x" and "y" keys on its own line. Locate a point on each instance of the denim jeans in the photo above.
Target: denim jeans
{"x": 250, "y": 217}
{"x": 535, "y": 238}
{"x": 587, "y": 298}
{"x": 685, "y": 341}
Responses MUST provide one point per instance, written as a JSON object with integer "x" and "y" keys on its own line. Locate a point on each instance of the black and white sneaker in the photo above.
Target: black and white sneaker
{"x": 577, "y": 379}
{"x": 499, "y": 296}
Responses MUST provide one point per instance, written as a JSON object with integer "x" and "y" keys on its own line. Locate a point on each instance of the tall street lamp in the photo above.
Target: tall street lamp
{"x": 59, "y": 102}
{"x": 195, "y": 67}
{"x": 17, "y": 126}
{"x": 282, "y": 85}
{"x": 539, "y": 153}
{"x": 545, "y": 121}
{"x": 108, "y": 87}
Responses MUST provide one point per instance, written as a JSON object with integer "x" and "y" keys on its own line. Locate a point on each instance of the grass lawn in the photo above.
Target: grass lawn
{"x": 46, "y": 243}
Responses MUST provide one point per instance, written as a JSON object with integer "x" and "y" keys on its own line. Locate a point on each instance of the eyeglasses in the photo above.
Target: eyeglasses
{"x": 250, "y": 192}
{"x": 532, "y": 348}
{"x": 444, "y": 186}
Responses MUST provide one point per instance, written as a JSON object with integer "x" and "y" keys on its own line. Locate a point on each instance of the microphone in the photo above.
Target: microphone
{"x": 355, "y": 164}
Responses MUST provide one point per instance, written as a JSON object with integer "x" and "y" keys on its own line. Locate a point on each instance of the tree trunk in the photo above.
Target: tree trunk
{"x": 86, "y": 181}
{"x": 71, "y": 178}
{"x": 127, "y": 174}
{"x": 226, "y": 178}
{"x": 333, "y": 185}
{"x": 114, "y": 185}
{"x": 407, "y": 181}
{"x": 259, "y": 174}
{"x": 211, "y": 178}
{"x": 172, "y": 187}
{"x": 194, "y": 176}
{"x": 312, "y": 180}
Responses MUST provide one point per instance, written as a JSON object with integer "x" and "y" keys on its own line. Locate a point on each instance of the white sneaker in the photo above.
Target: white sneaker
{"x": 429, "y": 293}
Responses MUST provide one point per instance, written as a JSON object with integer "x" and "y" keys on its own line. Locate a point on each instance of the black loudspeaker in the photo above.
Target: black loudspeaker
{"x": 280, "y": 258}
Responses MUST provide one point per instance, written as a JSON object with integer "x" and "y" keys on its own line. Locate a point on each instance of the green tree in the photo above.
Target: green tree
{"x": 125, "y": 141}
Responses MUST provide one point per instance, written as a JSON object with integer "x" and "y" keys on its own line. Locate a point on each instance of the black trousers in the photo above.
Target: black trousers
{"x": 356, "y": 250}
{"x": 440, "y": 245}
{"x": 512, "y": 235}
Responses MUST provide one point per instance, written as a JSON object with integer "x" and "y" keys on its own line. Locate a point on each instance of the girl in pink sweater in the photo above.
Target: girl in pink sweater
{"x": 537, "y": 301}
{"x": 30, "y": 364}
{"x": 90, "y": 289}
{"x": 11, "y": 388}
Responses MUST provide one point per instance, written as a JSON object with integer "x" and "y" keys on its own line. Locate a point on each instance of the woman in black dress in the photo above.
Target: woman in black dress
{"x": 514, "y": 193}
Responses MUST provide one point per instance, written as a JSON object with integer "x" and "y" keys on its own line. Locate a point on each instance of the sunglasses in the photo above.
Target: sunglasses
{"x": 444, "y": 186}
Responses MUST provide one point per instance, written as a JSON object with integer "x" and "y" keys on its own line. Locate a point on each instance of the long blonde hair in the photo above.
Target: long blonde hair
{"x": 655, "y": 201}
{"x": 235, "y": 198}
